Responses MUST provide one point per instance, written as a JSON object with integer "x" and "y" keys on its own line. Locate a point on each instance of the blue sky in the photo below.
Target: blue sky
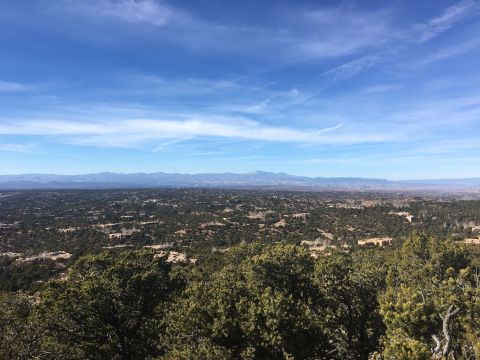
{"x": 385, "y": 89}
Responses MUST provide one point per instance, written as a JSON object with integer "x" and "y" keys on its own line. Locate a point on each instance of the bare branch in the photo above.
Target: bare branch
{"x": 446, "y": 322}
{"x": 437, "y": 351}
{"x": 438, "y": 344}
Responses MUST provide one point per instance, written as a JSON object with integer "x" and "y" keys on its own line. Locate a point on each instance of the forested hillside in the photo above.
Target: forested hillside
{"x": 420, "y": 301}
{"x": 227, "y": 274}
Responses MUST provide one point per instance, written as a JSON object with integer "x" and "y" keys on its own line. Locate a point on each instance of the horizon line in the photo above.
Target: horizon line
{"x": 242, "y": 173}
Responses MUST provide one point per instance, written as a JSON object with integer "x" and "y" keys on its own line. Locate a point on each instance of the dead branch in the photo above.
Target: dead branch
{"x": 446, "y": 334}
{"x": 438, "y": 344}
{"x": 437, "y": 351}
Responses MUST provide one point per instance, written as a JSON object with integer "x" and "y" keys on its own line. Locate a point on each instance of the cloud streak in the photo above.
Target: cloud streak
{"x": 321, "y": 33}
{"x": 6, "y": 86}
{"x": 140, "y": 131}
{"x": 19, "y": 148}
{"x": 402, "y": 39}
{"x": 317, "y": 34}
{"x": 451, "y": 51}
{"x": 452, "y": 15}
{"x": 352, "y": 68}
{"x": 132, "y": 11}
{"x": 342, "y": 31}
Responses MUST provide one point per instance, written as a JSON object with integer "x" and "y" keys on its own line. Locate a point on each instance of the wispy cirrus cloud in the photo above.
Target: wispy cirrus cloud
{"x": 399, "y": 40}
{"x": 428, "y": 30}
{"x": 127, "y": 133}
{"x": 352, "y": 68}
{"x": 19, "y": 148}
{"x": 320, "y": 33}
{"x": 382, "y": 88}
{"x": 7, "y": 86}
{"x": 341, "y": 31}
{"x": 451, "y": 51}
{"x": 132, "y": 11}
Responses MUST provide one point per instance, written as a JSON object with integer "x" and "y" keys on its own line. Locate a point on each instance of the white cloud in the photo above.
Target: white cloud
{"x": 402, "y": 39}
{"x": 352, "y": 68}
{"x": 6, "y": 86}
{"x": 294, "y": 35}
{"x": 449, "y": 147}
{"x": 341, "y": 31}
{"x": 21, "y": 148}
{"x": 451, "y": 51}
{"x": 258, "y": 107}
{"x": 133, "y": 11}
{"x": 382, "y": 88}
{"x": 142, "y": 131}
{"x": 428, "y": 30}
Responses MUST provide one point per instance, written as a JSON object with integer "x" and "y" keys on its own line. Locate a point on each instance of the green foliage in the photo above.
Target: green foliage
{"x": 204, "y": 349}
{"x": 14, "y": 327}
{"x": 27, "y": 276}
{"x": 403, "y": 347}
{"x": 277, "y": 302}
{"x": 426, "y": 278}
{"x": 348, "y": 285}
{"x": 254, "y": 301}
{"x": 264, "y": 307}
{"x": 109, "y": 307}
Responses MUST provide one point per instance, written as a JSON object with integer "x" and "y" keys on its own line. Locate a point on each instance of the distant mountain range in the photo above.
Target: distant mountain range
{"x": 259, "y": 179}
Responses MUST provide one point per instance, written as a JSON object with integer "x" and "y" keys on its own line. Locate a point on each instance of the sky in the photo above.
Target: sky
{"x": 378, "y": 89}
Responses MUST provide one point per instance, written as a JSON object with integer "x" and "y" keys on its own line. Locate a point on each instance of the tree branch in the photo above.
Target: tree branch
{"x": 437, "y": 351}
{"x": 438, "y": 344}
{"x": 446, "y": 322}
